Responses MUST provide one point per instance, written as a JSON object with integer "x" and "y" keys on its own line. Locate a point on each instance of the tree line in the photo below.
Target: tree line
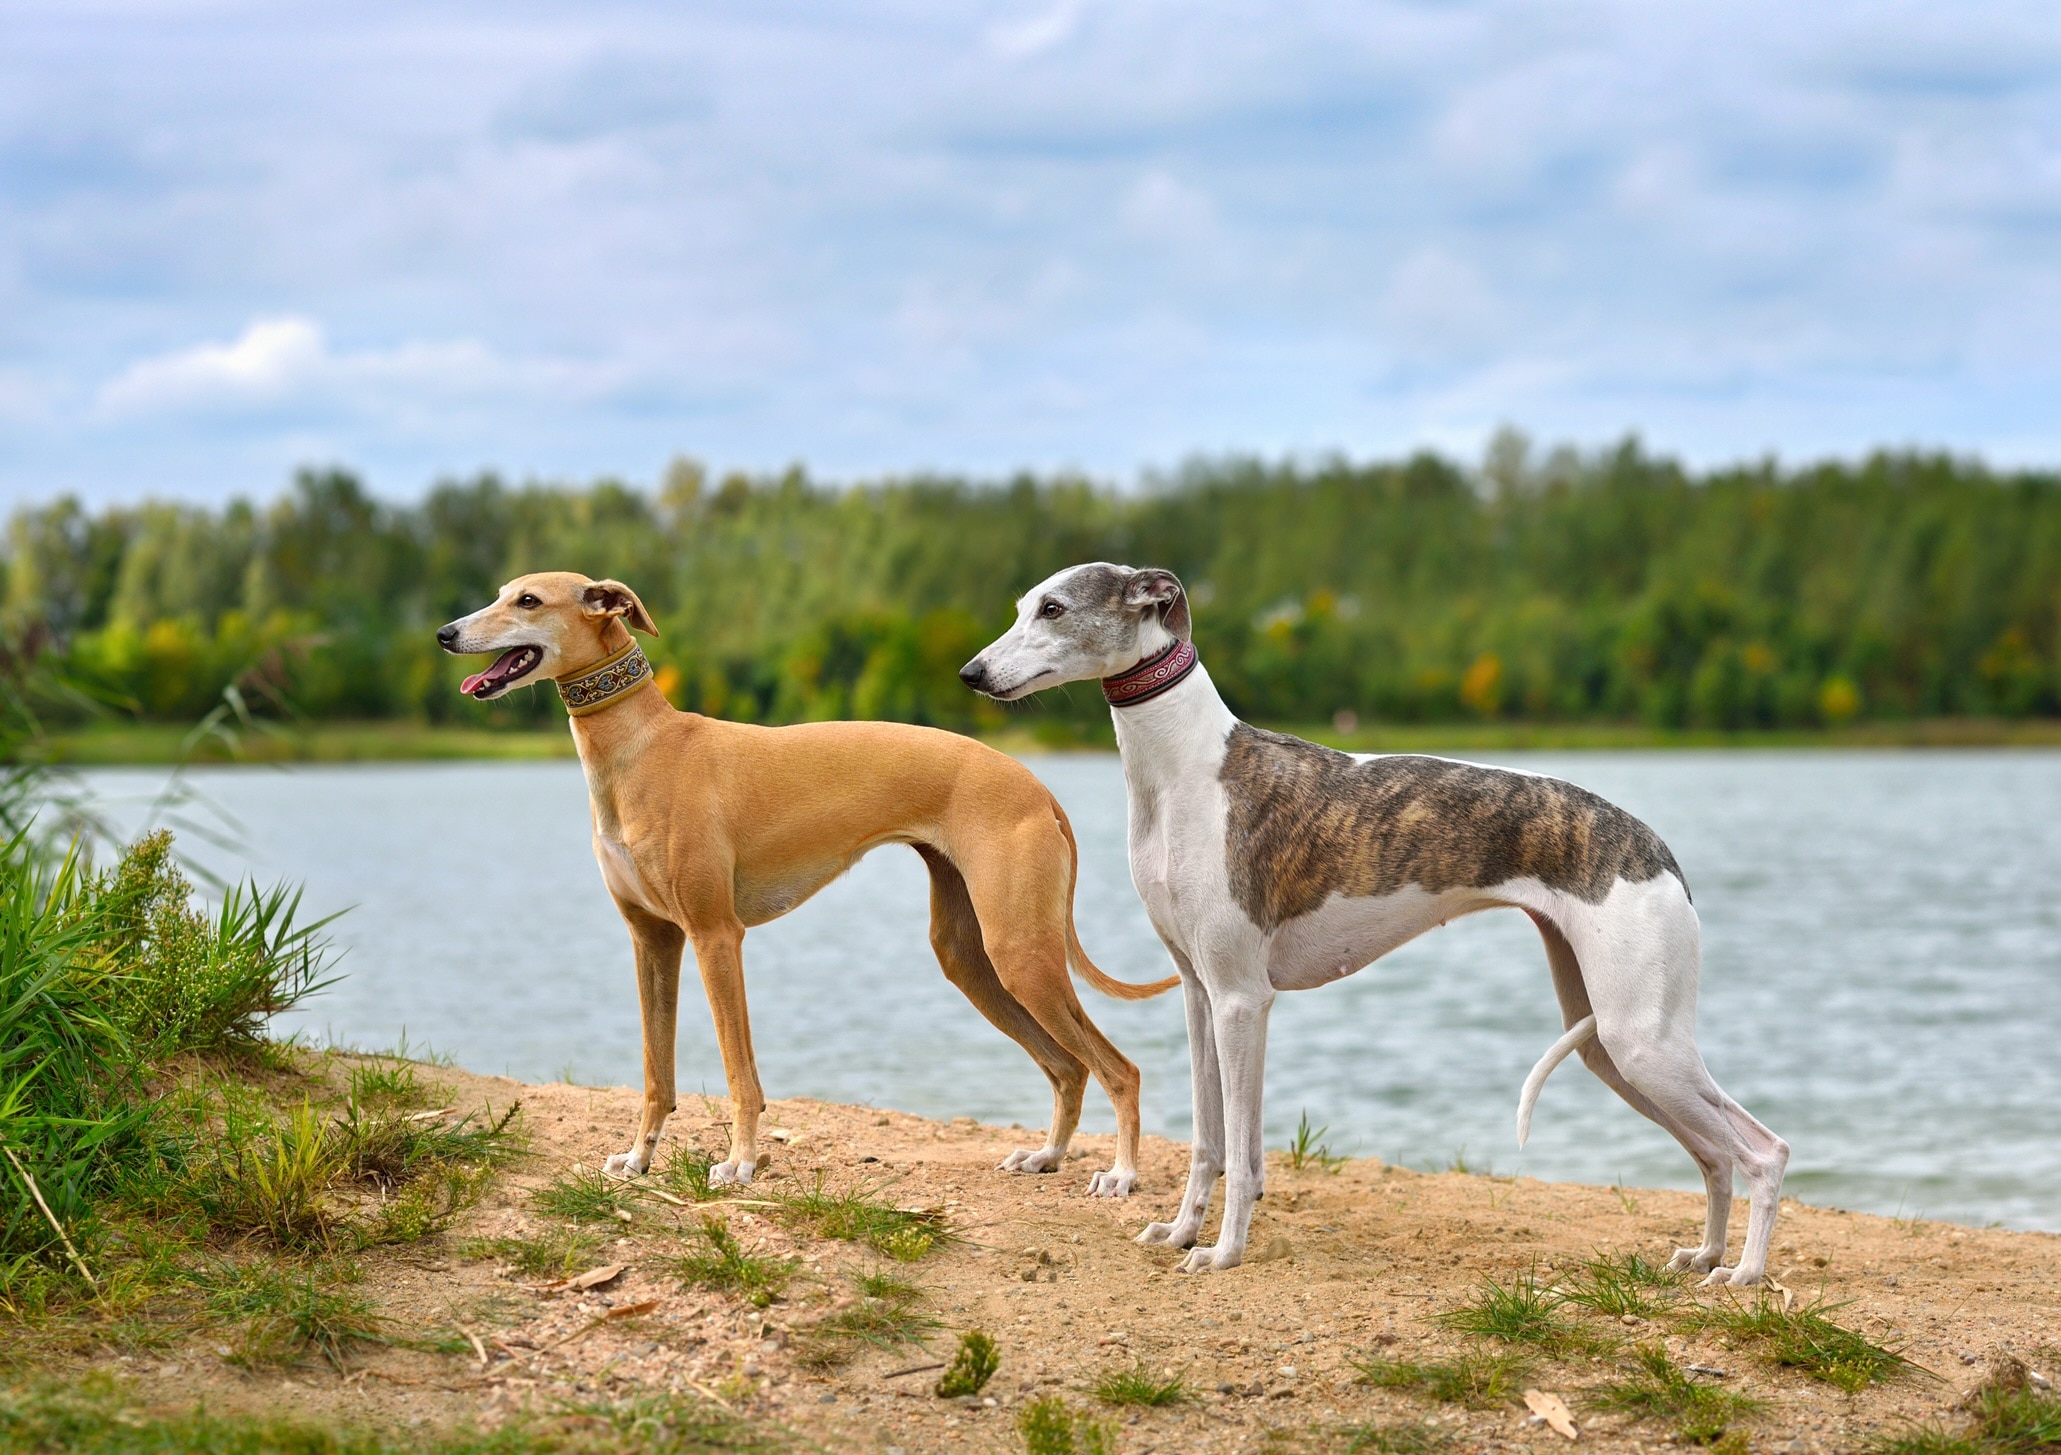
{"x": 1609, "y": 585}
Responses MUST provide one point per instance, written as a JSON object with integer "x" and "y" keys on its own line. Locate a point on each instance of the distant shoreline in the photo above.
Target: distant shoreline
{"x": 153, "y": 745}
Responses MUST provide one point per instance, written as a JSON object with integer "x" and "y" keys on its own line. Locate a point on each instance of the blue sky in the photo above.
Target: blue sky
{"x": 423, "y": 238}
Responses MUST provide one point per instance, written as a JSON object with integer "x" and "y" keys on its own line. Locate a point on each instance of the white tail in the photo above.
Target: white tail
{"x": 1528, "y": 1098}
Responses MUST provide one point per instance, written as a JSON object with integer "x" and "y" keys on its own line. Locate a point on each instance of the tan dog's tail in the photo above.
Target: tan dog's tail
{"x": 1076, "y": 957}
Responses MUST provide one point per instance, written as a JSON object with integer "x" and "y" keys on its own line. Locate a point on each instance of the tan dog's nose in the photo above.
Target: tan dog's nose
{"x": 447, "y": 635}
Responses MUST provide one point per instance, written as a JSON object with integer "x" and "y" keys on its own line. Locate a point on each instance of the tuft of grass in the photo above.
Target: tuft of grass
{"x": 383, "y": 1084}
{"x": 1522, "y": 1311}
{"x": 385, "y": 1148}
{"x": 1138, "y": 1385}
{"x": 883, "y": 1315}
{"x": 1803, "y": 1339}
{"x": 95, "y": 1418}
{"x": 2007, "y": 1415}
{"x": 685, "y": 1174}
{"x": 1048, "y": 1427}
{"x": 722, "y": 1263}
{"x": 273, "y": 1179}
{"x": 972, "y": 1366}
{"x": 1478, "y": 1380}
{"x": 860, "y": 1215}
{"x": 288, "y": 1316}
{"x": 1623, "y": 1284}
{"x": 1399, "y": 1438}
{"x": 582, "y": 1195}
{"x": 1657, "y": 1389}
{"x": 1309, "y": 1148}
{"x": 557, "y": 1253}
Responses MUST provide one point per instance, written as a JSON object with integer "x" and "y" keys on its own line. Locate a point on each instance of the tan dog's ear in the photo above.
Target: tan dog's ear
{"x": 612, "y": 598}
{"x": 1161, "y": 590}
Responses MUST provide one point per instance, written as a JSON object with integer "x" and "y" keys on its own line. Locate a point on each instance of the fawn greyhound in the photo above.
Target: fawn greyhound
{"x": 1267, "y": 864}
{"x": 704, "y": 828}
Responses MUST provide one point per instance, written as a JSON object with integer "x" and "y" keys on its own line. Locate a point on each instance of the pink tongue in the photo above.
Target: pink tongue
{"x": 471, "y": 682}
{"x": 500, "y": 668}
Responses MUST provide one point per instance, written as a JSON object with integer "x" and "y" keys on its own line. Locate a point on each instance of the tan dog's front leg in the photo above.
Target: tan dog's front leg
{"x": 719, "y": 951}
{"x": 657, "y": 944}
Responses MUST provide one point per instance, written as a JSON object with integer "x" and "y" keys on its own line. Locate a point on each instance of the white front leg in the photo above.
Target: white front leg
{"x": 1240, "y": 1019}
{"x": 1206, "y": 1156}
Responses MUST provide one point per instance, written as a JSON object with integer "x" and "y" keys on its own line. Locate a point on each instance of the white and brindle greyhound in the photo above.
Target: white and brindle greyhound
{"x": 1268, "y": 863}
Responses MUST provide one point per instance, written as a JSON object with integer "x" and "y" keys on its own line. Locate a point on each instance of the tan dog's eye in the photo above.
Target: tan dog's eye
{"x": 526, "y": 601}
{"x": 1052, "y": 611}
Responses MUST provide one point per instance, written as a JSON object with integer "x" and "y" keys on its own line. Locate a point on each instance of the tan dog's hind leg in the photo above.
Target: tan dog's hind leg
{"x": 719, "y": 952}
{"x": 955, "y": 936}
{"x": 657, "y": 945}
{"x": 1019, "y": 885}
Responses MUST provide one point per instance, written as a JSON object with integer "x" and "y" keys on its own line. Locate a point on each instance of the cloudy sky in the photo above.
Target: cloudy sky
{"x": 426, "y": 238}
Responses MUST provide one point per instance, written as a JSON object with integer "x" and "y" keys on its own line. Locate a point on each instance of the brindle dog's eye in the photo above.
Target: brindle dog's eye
{"x": 528, "y": 600}
{"x": 1051, "y": 610}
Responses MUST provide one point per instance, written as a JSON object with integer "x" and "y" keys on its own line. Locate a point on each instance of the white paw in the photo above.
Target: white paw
{"x": 1696, "y": 1260}
{"x": 625, "y": 1165}
{"x": 1731, "y": 1277}
{"x": 1171, "y": 1234}
{"x": 730, "y": 1174}
{"x": 1205, "y": 1260}
{"x": 1045, "y": 1159}
{"x": 1112, "y": 1183}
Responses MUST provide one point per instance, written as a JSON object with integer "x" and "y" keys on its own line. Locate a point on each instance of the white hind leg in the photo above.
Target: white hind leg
{"x": 1638, "y": 957}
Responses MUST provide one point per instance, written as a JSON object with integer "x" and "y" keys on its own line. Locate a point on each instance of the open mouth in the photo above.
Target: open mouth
{"x": 511, "y": 666}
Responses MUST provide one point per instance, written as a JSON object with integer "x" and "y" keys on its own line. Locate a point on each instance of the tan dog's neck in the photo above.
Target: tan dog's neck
{"x": 607, "y": 736}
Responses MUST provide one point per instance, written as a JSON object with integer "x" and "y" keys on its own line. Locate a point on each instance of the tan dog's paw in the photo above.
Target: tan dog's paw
{"x": 1045, "y": 1159}
{"x": 731, "y": 1174}
{"x": 1113, "y": 1183}
{"x": 625, "y": 1165}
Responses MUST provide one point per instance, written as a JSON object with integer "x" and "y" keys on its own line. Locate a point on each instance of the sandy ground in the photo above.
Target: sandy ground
{"x": 1350, "y": 1263}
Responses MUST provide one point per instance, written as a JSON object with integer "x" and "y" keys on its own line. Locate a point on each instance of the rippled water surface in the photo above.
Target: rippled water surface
{"x": 1881, "y": 983}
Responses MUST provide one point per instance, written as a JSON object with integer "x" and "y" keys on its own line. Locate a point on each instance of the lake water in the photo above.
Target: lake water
{"x": 1881, "y": 982}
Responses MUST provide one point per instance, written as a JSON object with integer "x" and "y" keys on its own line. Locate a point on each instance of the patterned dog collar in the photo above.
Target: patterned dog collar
{"x": 602, "y": 685}
{"x": 1150, "y": 677}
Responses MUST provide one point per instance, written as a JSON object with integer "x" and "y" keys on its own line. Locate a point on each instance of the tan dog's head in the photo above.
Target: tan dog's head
{"x": 550, "y": 624}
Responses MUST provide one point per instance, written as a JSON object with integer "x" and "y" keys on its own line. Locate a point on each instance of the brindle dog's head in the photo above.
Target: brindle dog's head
{"x": 1087, "y": 621}
{"x": 550, "y": 624}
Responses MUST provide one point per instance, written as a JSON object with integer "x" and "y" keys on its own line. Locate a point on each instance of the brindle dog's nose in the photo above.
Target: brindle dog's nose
{"x": 973, "y": 674}
{"x": 447, "y": 635}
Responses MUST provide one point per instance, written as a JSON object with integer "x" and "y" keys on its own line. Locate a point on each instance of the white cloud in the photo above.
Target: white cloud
{"x": 288, "y": 361}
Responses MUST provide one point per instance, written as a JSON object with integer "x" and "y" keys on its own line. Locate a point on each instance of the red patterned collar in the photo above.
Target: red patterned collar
{"x": 1150, "y": 677}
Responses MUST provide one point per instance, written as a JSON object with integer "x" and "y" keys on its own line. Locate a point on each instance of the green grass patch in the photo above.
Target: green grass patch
{"x": 973, "y": 1365}
{"x": 1657, "y": 1389}
{"x": 582, "y": 1195}
{"x": 1803, "y": 1339}
{"x": 1140, "y": 1385}
{"x": 1049, "y": 1427}
{"x": 860, "y": 1215}
{"x": 685, "y": 1174}
{"x": 1400, "y": 1437}
{"x": 556, "y": 1253}
{"x": 719, "y": 1261}
{"x": 1478, "y": 1379}
{"x": 287, "y": 1317}
{"x": 1522, "y": 1311}
{"x": 2007, "y": 1415}
{"x": 1623, "y": 1284}
{"x": 1309, "y": 1149}
{"x": 883, "y": 1315}
{"x": 95, "y": 1418}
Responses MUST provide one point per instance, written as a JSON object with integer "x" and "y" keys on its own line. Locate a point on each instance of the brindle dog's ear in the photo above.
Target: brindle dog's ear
{"x": 1162, "y": 591}
{"x": 612, "y": 598}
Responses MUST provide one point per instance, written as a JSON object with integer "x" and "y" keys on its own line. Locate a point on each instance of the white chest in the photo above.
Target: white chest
{"x": 620, "y": 873}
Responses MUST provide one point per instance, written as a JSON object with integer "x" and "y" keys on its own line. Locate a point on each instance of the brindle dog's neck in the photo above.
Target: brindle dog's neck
{"x": 1175, "y": 737}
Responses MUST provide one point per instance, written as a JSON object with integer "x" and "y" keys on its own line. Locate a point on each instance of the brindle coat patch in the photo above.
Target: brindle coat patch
{"x": 1307, "y": 822}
